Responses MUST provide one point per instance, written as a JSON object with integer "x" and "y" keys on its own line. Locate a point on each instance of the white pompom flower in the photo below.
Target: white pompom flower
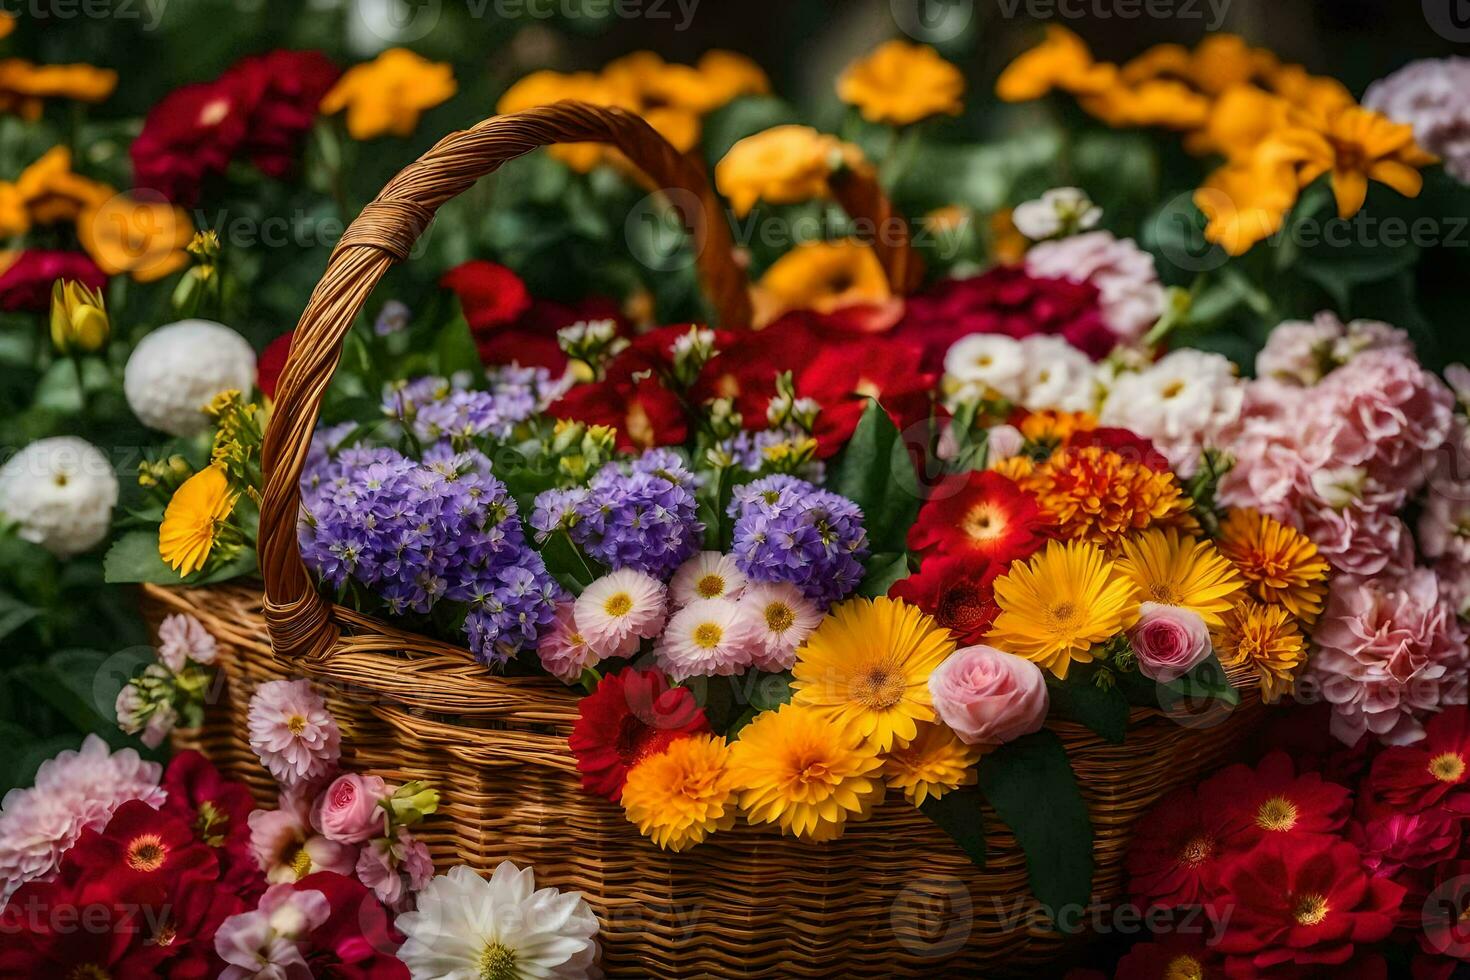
{"x": 1181, "y": 404}
{"x": 60, "y": 493}
{"x": 176, "y": 371}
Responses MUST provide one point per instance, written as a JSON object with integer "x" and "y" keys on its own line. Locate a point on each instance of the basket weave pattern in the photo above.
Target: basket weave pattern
{"x": 893, "y": 897}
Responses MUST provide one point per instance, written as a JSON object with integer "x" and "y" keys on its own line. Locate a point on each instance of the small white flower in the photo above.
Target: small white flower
{"x": 1061, "y": 210}
{"x": 60, "y": 493}
{"x": 468, "y": 927}
{"x": 618, "y": 610}
{"x": 706, "y": 638}
{"x": 1181, "y": 404}
{"x": 783, "y": 618}
{"x": 1340, "y": 486}
{"x": 708, "y": 575}
{"x": 176, "y": 371}
{"x": 1056, "y": 376}
{"x": 983, "y": 363}
{"x": 1002, "y": 442}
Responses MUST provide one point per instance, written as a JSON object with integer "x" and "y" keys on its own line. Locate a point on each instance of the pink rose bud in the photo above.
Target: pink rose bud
{"x": 348, "y": 811}
{"x": 988, "y": 697}
{"x": 1170, "y": 641}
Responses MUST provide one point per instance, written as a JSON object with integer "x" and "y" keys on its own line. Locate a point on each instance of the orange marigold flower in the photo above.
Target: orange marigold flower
{"x": 1049, "y": 427}
{"x": 1094, "y": 494}
{"x": 902, "y": 83}
{"x": 1159, "y": 102}
{"x": 144, "y": 238}
{"x": 1266, "y": 639}
{"x": 782, "y": 165}
{"x": 1062, "y": 61}
{"x": 24, "y": 87}
{"x": 389, "y": 94}
{"x": 48, "y": 192}
{"x": 1281, "y": 564}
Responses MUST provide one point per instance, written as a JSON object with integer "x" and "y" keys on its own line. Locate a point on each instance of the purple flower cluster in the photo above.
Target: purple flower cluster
{"x": 420, "y": 532}
{"x": 748, "y": 450}
{"x": 787, "y": 530}
{"x": 645, "y": 518}
{"x": 434, "y": 408}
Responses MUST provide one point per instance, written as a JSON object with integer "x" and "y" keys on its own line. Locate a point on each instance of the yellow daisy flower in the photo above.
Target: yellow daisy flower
{"x": 820, "y": 276}
{"x": 867, "y": 665}
{"x": 934, "y": 763}
{"x": 1057, "y": 605}
{"x": 1267, "y": 639}
{"x": 782, "y": 165}
{"x": 796, "y": 769}
{"x": 1177, "y": 570}
{"x": 192, "y": 519}
{"x": 901, "y": 83}
{"x": 389, "y": 94}
{"x": 1281, "y": 563}
{"x": 683, "y": 794}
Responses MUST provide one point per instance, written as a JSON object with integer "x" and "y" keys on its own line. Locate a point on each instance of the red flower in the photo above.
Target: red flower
{"x": 523, "y": 347}
{"x": 287, "y": 87}
{"x": 1435, "y": 771}
{"x": 184, "y": 927}
{"x": 990, "y": 517}
{"x": 645, "y": 413}
{"x": 848, "y": 321}
{"x": 143, "y": 855}
{"x": 631, "y": 715}
{"x": 1302, "y": 900}
{"x": 491, "y": 295}
{"x": 1396, "y": 841}
{"x": 1133, "y": 448}
{"x": 1272, "y": 800}
{"x": 25, "y": 284}
{"x": 1175, "y": 857}
{"x": 1173, "y": 956}
{"x": 1005, "y": 300}
{"x": 746, "y": 366}
{"x": 956, "y": 591}
{"x": 70, "y": 928}
{"x": 843, "y": 377}
{"x": 218, "y": 811}
{"x": 358, "y": 939}
{"x": 1305, "y": 731}
{"x": 272, "y": 362}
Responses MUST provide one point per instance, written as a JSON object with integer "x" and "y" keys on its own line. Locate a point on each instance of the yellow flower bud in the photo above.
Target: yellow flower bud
{"x": 79, "y": 321}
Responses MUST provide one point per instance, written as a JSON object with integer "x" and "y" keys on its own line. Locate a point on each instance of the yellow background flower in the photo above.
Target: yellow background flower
{"x": 24, "y": 87}
{"x": 820, "y": 276}
{"x": 683, "y": 794}
{"x": 48, "y": 192}
{"x": 901, "y": 83}
{"x": 144, "y": 238}
{"x": 1062, "y": 61}
{"x": 389, "y": 94}
{"x": 782, "y": 165}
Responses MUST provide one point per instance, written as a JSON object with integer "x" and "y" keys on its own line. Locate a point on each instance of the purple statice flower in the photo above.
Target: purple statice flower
{"x": 434, "y": 408}
{"x": 748, "y": 450}
{"x": 420, "y": 532}
{"x": 787, "y": 530}
{"x": 644, "y": 517}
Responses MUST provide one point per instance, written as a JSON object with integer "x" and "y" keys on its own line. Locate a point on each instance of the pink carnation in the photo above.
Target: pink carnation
{"x": 395, "y": 870}
{"x": 1390, "y": 652}
{"x": 563, "y": 650}
{"x": 1279, "y": 441}
{"x": 75, "y": 791}
{"x": 182, "y": 638}
{"x": 1357, "y": 540}
{"x": 1127, "y": 283}
{"x": 293, "y": 733}
{"x": 988, "y": 697}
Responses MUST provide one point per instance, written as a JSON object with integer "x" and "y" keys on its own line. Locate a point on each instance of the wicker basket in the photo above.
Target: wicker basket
{"x": 894, "y": 896}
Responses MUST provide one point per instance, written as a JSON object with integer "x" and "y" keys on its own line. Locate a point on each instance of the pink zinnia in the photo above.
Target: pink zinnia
{"x": 563, "y": 650}
{"x": 1390, "y": 652}
{"x": 182, "y": 638}
{"x": 293, "y": 733}
{"x": 1397, "y": 841}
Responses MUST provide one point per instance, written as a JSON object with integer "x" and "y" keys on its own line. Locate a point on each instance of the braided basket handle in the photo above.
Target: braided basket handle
{"x": 385, "y": 233}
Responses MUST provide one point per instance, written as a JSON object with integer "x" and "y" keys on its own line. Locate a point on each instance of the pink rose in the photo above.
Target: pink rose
{"x": 988, "y": 697}
{"x": 1170, "y": 641}
{"x": 348, "y": 811}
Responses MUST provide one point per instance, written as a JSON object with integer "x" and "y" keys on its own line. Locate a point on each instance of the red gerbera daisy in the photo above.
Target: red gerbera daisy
{"x": 843, "y": 378}
{"x": 990, "y": 517}
{"x": 631, "y": 715}
{"x": 218, "y": 811}
{"x": 1435, "y": 771}
{"x": 1174, "y": 859}
{"x": 491, "y": 295}
{"x": 1272, "y": 799}
{"x": 1173, "y": 956}
{"x": 77, "y": 928}
{"x": 1302, "y": 900}
{"x": 956, "y": 591}
{"x": 143, "y": 854}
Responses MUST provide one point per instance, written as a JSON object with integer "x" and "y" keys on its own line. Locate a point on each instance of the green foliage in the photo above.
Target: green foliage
{"x": 875, "y": 471}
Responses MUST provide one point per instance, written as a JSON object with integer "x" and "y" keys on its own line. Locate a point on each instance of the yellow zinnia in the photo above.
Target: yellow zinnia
{"x": 1057, "y": 605}
{"x": 934, "y": 763}
{"x": 782, "y": 165}
{"x": 1281, "y": 564}
{"x": 867, "y": 665}
{"x": 24, "y": 87}
{"x": 1356, "y": 145}
{"x": 192, "y": 520}
{"x": 1175, "y": 569}
{"x": 820, "y": 276}
{"x": 143, "y": 238}
{"x": 796, "y": 769}
{"x": 1062, "y": 61}
{"x": 901, "y": 83}
{"x": 389, "y": 93}
{"x": 683, "y": 794}
{"x": 1266, "y": 639}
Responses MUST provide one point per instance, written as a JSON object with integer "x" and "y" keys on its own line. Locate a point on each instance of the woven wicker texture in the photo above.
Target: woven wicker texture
{"x": 894, "y": 897}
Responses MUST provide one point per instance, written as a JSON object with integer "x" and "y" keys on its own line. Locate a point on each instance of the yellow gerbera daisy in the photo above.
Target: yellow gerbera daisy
{"x": 1057, "y": 605}
{"x": 192, "y": 519}
{"x": 798, "y": 770}
{"x": 1281, "y": 563}
{"x": 1266, "y": 638}
{"x": 683, "y": 794}
{"x": 934, "y": 763}
{"x": 867, "y": 665}
{"x": 1177, "y": 570}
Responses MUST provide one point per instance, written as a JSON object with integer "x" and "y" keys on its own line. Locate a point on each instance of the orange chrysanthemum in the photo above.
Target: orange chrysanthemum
{"x": 1049, "y": 427}
{"x": 1281, "y": 563}
{"x": 1265, "y": 639}
{"x": 1094, "y": 494}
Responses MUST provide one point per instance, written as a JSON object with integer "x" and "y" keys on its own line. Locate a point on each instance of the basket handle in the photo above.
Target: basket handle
{"x": 384, "y": 233}
{"x": 861, "y": 196}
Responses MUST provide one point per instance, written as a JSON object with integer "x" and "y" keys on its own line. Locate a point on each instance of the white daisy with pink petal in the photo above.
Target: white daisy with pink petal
{"x": 620, "y": 609}
{"x": 563, "y": 649}
{"x": 707, "y": 637}
{"x": 708, "y": 575}
{"x": 783, "y": 619}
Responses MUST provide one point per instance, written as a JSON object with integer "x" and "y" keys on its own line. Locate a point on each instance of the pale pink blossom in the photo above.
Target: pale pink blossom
{"x": 395, "y": 869}
{"x": 265, "y": 943}
{"x": 1454, "y": 586}
{"x": 1127, "y": 283}
{"x": 783, "y": 619}
{"x": 1390, "y": 652}
{"x": 182, "y": 638}
{"x": 708, "y": 575}
{"x": 1358, "y": 540}
{"x": 709, "y": 637}
{"x": 285, "y": 847}
{"x": 621, "y": 609}
{"x": 293, "y": 733}
{"x": 1169, "y": 641}
{"x": 562, "y": 649}
{"x": 347, "y": 811}
{"x": 988, "y": 697}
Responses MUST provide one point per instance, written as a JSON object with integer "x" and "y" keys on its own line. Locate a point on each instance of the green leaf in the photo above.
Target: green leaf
{"x": 1030, "y": 784}
{"x": 1102, "y": 709}
{"x": 14, "y": 614}
{"x": 882, "y": 571}
{"x": 1208, "y": 680}
{"x": 565, "y": 561}
{"x": 134, "y": 558}
{"x": 957, "y": 813}
{"x": 875, "y": 472}
{"x": 456, "y": 349}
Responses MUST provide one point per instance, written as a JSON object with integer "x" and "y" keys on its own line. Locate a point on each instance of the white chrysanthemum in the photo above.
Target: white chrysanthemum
{"x": 60, "y": 493}
{"x": 1057, "y": 376}
{"x": 783, "y": 619}
{"x": 468, "y": 927}
{"x": 618, "y": 610}
{"x": 708, "y": 575}
{"x": 177, "y": 370}
{"x": 708, "y": 637}
{"x": 1180, "y": 404}
{"x": 982, "y": 363}
{"x": 1059, "y": 210}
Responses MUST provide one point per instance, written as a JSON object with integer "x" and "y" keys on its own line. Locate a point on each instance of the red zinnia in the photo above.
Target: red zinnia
{"x": 990, "y": 517}
{"x": 491, "y": 295}
{"x": 1272, "y": 799}
{"x": 956, "y": 591}
{"x": 631, "y": 715}
{"x": 1303, "y": 900}
{"x": 843, "y": 377}
{"x": 1175, "y": 857}
{"x": 1433, "y": 771}
{"x": 25, "y": 284}
{"x": 142, "y": 854}
{"x": 1172, "y": 956}
{"x": 287, "y": 87}
{"x": 218, "y": 811}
